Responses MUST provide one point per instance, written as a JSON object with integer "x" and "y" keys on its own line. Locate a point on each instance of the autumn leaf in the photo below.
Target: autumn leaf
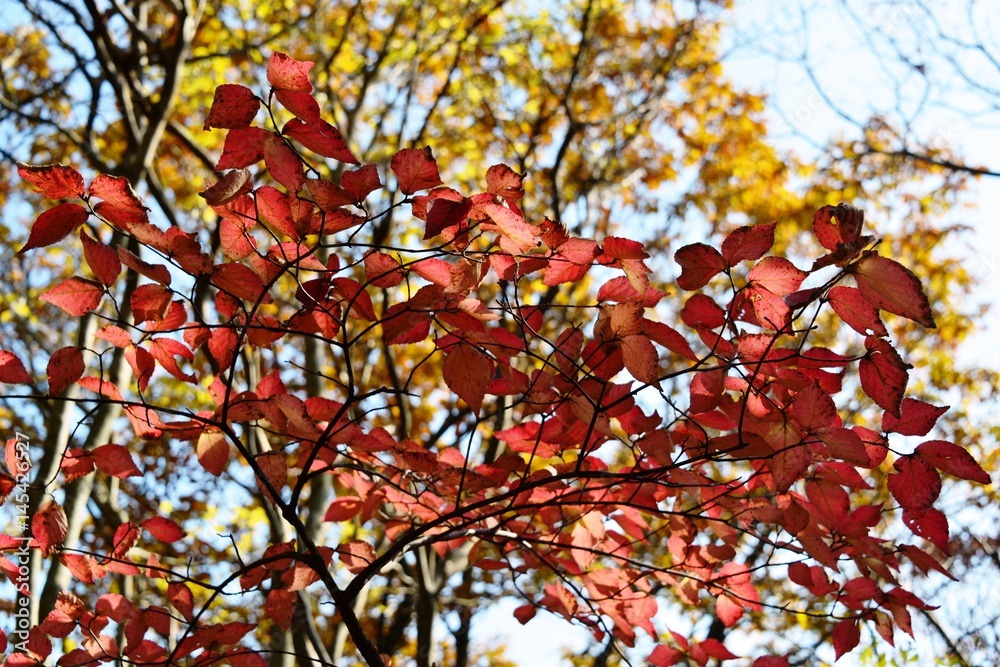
{"x": 915, "y": 485}
{"x": 64, "y": 368}
{"x": 116, "y": 461}
{"x": 232, "y": 185}
{"x": 889, "y": 285}
{"x": 883, "y": 375}
{"x": 54, "y": 225}
{"x": 54, "y": 181}
{"x": 233, "y": 107}
{"x": 286, "y": 73}
{"x": 952, "y": 459}
{"x": 49, "y": 526}
{"x": 356, "y": 555}
{"x": 76, "y": 296}
{"x": 415, "y": 170}
{"x": 748, "y": 243}
{"x": 319, "y": 137}
{"x": 846, "y": 636}
{"x": 468, "y": 371}
{"x": 101, "y": 259}
{"x": 916, "y": 418}
{"x": 163, "y": 529}
{"x": 699, "y": 264}
{"x": 343, "y": 509}
{"x": 12, "y": 370}
{"x": 213, "y": 451}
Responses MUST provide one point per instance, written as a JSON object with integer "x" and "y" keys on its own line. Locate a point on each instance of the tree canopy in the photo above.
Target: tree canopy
{"x": 337, "y": 323}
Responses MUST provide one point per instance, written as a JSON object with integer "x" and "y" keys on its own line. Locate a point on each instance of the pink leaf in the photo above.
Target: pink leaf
{"x": 356, "y": 555}
{"x": 777, "y": 275}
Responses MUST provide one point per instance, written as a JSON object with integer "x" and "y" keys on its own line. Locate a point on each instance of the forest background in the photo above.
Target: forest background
{"x": 664, "y": 122}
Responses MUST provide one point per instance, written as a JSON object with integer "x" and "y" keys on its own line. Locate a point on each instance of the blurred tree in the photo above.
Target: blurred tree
{"x": 622, "y": 113}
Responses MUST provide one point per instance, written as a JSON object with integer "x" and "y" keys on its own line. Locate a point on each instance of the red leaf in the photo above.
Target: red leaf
{"x": 932, "y": 526}
{"x": 238, "y": 280}
{"x": 846, "y": 635}
{"x": 701, "y": 310}
{"x": 142, "y": 364}
{"x": 243, "y": 148}
{"x": 150, "y": 302}
{"x": 234, "y": 184}
{"x": 101, "y": 259}
{"x": 728, "y": 611}
{"x": 777, "y": 275}
{"x": 49, "y": 527}
{"x": 156, "y": 272}
{"x": 382, "y": 270}
{"x": 275, "y": 469}
{"x": 356, "y": 555}
{"x": 116, "y": 461}
{"x": 100, "y": 386}
{"x": 952, "y": 459}
{"x": 54, "y": 225}
{"x": 54, "y": 181}
{"x": 286, "y": 73}
{"x": 669, "y": 338}
{"x": 915, "y": 485}
{"x": 699, "y": 263}
{"x": 788, "y": 466}
{"x": 181, "y": 599}
{"x": 360, "y": 183}
{"x": 12, "y": 371}
{"x": 303, "y": 105}
{"x": 664, "y": 656}
{"x": 415, "y": 169}
{"x": 121, "y": 206}
{"x": 443, "y": 213}
{"x": 706, "y": 390}
{"x": 749, "y": 242}
{"x": 856, "y": 311}
{"x": 512, "y": 224}
{"x": 641, "y": 359}
{"x": 715, "y": 649}
{"x": 163, "y": 529}
{"x": 213, "y": 451}
{"x": 64, "y": 368}
{"x": 889, "y": 285}
{"x": 525, "y": 613}
{"x": 320, "y": 137}
{"x": 284, "y": 165}
{"x": 343, "y": 508}
{"x": 84, "y": 568}
{"x": 504, "y": 182}
{"x": 233, "y": 107}
{"x": 467, "y": 372}
{"x": 275, "y": 212}
{"x": 883, "y": 374}
{"x": 834, "y": 225}
{"x": 279, "y": 606}
{"x": 917, "y": 418}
